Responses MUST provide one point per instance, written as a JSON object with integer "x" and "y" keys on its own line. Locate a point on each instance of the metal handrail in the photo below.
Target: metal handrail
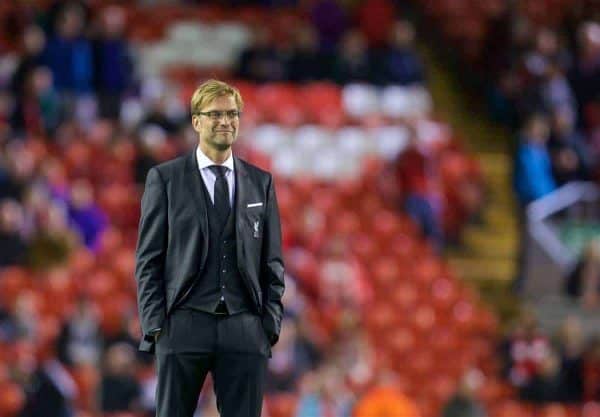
{"x": 541, "y": 209}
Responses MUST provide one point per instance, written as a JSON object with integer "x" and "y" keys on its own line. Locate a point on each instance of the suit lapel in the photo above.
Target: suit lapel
{"x": 241, "y": 187}
{"x": 194, "y": 183}
{"x": 241, "y": 179}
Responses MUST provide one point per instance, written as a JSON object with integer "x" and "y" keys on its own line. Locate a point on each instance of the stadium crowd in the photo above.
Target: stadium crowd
{"x": 73, "y": 163}
{"x": 542, "y": 80}
{"x": 74, "y": 151}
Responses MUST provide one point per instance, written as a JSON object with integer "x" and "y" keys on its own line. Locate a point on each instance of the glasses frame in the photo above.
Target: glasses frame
{"x": 221, "y": 114}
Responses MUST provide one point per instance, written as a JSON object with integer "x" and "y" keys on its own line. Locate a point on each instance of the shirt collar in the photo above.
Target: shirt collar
{"x": 204, "y": 161}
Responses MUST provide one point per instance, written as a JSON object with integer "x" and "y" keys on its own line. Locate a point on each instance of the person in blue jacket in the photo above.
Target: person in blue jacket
{"x": 533, "y": 167}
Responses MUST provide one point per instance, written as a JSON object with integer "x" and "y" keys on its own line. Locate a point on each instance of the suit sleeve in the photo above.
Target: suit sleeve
{"x": 150, "y": 254}
{"x": 272, "y": 268}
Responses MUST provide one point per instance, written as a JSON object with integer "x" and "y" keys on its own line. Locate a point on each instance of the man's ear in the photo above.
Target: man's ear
{"x": 196, "y": 122}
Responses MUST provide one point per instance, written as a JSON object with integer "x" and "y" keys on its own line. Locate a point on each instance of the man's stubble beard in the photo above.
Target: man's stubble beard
{"x": 223, "y": 146}
{"x": 226, "y": 146}
{"x": 219, "y": 146}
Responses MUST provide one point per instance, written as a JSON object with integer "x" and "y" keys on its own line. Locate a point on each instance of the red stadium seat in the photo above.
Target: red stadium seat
{"x": 382, "y": 317}
{"x": 86, "y": 378}
{"x": 424, "y": 318}
{"x": 322, "y": 104}
{"x": 13, "y": 281}
{"x": 364, "y": 247}
{"x": 404, "y": 295}
{"x": 591, "y": 409}
{"x": 385, "y": 273}
{"x": 347, "y": 223}
{"x": 280, "y": 103}
{"x": 12, "y": 399}
{"x": 282, "y": 405}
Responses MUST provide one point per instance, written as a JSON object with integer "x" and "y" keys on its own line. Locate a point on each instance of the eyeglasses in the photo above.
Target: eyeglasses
{"x": 217, "y": 115}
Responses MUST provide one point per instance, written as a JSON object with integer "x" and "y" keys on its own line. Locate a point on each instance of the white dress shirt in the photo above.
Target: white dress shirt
{"x": 204, "y": 162}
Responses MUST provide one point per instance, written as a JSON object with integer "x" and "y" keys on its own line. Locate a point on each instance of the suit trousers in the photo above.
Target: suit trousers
{"x": 233, "y": 348}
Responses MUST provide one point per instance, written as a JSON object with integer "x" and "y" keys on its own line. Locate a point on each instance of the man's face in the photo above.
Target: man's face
{"x": 218, "y": 133}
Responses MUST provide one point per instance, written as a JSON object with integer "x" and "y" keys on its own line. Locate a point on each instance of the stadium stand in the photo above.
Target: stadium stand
{"x": 538, "y": 63}
{"x": 376, "y": 322}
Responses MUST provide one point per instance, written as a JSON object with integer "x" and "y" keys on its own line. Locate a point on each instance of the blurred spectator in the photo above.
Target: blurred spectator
{"x": 375, "y": 20}
{"x": 69, "y": 53}
{"x": 497, "y": 37}
{"x": 555, "y": 90}
{"x": 40, "y": 104}
{"x": 547, "y": 52}
{"x": 385, "y": 398}
{"x": 323, "y": 394}
{"x": 14, "y": 173}
{"x": 398, "y": 62}
{"x": 464, "y": 402}
{"x": 355, "y": 355}
{"x": 7, "y": 115}
{"x": 571, "y": 349}
{"x": 585, "y": 74}
{"x": 309, "y": 352}
{"x": 353, "y": 61}
{"x": 291, "y": 358}
{"x": 415, "y": 171}
{"x": 584, "y": 281}
{"x": 8, "y": 327}
{"x": 13, "y": 247}
{"x": 150, "y": 141}
{"x": 85, "y": 214}
{"x": 120, "y": 391}
{"x": 330, "y": 21}
{"x": 26, "y": 315}
{"x": 547, "y": 385}
{"x": 342, "y": 281}
{"x": 532, "y": 178}
{"x": 80, "y": 339}
{"x": 543, "y": 84}
{"x": 571, "y": 159}
{"x": 34, "y": 41}
{"x": 157, "y": 109}
{"x": 533, "y": 171}
{"x": 503, "y": 99}
{"x": 524, "y": 350}
{"x": 49, "y": 389}
{"x": 306, "y": 63}
{"x": 591, "y": 372}
{"x": 262, "y": 60}
{"x": 54, "y": 241}
{"x": 112, "y": 62}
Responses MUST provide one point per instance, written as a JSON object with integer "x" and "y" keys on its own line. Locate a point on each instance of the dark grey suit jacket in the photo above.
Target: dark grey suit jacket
{"x": 173, "y": 242}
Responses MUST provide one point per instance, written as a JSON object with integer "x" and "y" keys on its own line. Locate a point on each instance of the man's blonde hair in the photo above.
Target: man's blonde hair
{"x": 210, "y": 90}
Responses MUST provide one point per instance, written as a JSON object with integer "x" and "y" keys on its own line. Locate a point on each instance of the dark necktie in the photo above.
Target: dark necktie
{"x": 221, "y": 193}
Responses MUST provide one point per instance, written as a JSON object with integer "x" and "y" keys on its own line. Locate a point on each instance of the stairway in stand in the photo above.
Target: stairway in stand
{"x": 486, "y": 254}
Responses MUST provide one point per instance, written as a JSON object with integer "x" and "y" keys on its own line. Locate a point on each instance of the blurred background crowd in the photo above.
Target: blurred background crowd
{"x": 383, "y": 196}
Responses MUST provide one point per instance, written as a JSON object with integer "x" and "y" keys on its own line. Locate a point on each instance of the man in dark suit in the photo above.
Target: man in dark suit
{"x": 209, "y": 269}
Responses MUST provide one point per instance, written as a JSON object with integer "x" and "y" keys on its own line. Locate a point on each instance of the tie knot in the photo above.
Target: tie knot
{"x": 218, "y": 170}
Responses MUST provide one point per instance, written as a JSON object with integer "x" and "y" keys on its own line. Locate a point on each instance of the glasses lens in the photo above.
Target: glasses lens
{"x": 217, "y": 115}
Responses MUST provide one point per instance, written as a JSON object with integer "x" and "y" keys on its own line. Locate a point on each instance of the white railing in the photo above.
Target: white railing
{"x": 547, "y": 258}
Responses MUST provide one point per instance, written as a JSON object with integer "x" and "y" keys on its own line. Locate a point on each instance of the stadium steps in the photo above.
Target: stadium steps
{"x": 485, "y": 256}
{"x": 552, "y": 310}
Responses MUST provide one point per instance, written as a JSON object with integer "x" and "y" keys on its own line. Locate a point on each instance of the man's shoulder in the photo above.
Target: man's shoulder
{"x": 166, "y": 169}
{"x": 253, "y": 170}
